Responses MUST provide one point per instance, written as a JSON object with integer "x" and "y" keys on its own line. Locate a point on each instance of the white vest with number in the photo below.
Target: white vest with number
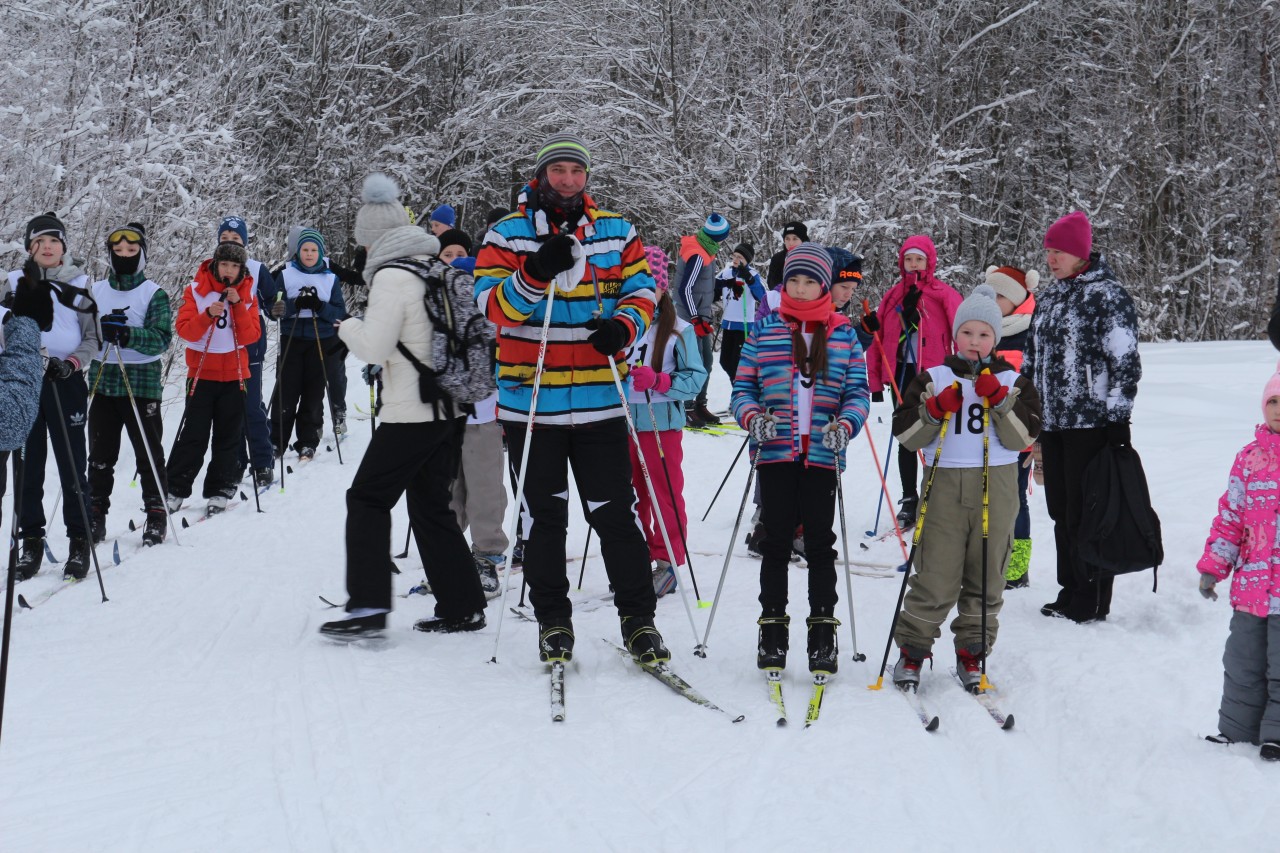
{"x": 64, "y": 337}
{"x": 641, "y": 353}
{"x": 134, "y": 303}
{"x": 295, "y": 279}
{"x": 219, "y": 336}
{"x": 962, "y": 447}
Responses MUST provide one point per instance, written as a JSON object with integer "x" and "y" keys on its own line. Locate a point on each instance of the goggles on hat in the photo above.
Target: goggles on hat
{"x": 124, "y": 234}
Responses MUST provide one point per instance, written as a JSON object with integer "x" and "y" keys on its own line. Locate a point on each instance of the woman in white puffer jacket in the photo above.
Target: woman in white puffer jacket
{"x": 413, "y": 450}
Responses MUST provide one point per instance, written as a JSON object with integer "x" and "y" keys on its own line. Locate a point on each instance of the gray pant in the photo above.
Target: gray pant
{"x": 948, "y": 562}
{"x": 1251, "y": 679}
{"x": 479, "y": 494}
{"x": 707, "y": 351}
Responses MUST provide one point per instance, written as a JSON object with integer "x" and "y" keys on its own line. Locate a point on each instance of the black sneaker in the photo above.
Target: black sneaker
{"x": 76, "y": 568}
{"x": 775, "y": 639}
{"x": 364, "y": 622}
{"x": 97, "y": 522}
{"x": 907, "y": 515}
{"x": 643, "y": 640}
{"x": 1270, "y": 751}
{"x": 1057, "y": 606}
{"x": 692, "y": 420}
{"x": 555, "y": 639}
{"x": 754, "y": 538}
{"x": 824, "y": 651}
{"x": 451, "y": 625}
{"x": 263, "y": 477}
{"x": 32, "y": 557}
{"x": 153, "y": 532}
{"x": 707, "y": 417}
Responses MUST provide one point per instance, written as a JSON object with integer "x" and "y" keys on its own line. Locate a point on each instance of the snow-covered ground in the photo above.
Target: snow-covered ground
{"x": 199, "y": 709}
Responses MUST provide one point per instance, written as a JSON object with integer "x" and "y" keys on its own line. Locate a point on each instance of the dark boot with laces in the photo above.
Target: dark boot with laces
{"x": 153, "y": 532}
{"x": 775, "y": 639}
{"x": 77, "y": 566}
{"x": 824, "y": 651}
{"x": 555, "y": 639}
{"x": 32, "y": 557}
{"x": 642, "y": 639}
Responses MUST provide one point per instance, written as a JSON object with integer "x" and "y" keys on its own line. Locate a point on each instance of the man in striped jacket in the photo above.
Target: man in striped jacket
{"x": 604, "y": 301}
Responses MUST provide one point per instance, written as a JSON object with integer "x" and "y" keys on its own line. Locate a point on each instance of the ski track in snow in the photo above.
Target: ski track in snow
{"x": 199, "y": 710}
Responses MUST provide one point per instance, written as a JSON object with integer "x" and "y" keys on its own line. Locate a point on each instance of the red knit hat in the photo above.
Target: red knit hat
{"x": 1012, "y": 283}
{"x": 1071, "y": 234}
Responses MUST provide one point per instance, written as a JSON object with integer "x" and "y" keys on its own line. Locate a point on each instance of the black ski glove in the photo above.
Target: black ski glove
{"x": 34, "y": 298}
{"x": 877, "y": 396}
{"x": 870, "y": 322}
{"x": 115, "y": 329}
{"x": 308, "y": 301}
{"x": 59, "y": 368}
{"x": 608, "y": 336}
{"x": 552, "y": 258}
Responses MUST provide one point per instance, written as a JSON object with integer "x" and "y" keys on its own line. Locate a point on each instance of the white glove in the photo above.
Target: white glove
{"x": 567, "y": 282}
{"x": 835, "y": 437}
{"x": 763, "y": 427}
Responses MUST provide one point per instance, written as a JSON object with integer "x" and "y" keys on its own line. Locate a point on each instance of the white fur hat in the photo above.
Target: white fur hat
{"x": 381, "y": 211}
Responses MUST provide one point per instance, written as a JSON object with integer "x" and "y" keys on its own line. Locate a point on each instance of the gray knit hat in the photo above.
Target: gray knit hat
{"x": 979, "y": 305}
{"x": 382, "y": 210}
{"x": 560, "y": 147}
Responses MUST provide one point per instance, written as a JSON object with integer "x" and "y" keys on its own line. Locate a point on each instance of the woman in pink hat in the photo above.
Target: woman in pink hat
{"x": 1082, "y": 355}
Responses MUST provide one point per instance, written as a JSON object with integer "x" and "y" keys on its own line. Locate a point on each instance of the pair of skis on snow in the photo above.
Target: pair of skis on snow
{"x": 773, "y": 680}
{"x": 930, "y": 720}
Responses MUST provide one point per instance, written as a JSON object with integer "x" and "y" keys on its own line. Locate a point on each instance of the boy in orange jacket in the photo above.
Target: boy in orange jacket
{"x": 218, "y": 319}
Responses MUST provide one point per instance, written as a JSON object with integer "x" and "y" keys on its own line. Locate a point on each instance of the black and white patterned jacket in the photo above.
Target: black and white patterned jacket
{"x": 1082, "y": 351}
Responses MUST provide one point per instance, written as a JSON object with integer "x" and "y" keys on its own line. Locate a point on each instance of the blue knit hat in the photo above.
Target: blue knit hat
{"x": 716, "y": 227}
{"x": 236, "y": 224}
{"x": 809, "y": 259}
{"x": 310, "y": 235}
{"x": 445, "y": 215}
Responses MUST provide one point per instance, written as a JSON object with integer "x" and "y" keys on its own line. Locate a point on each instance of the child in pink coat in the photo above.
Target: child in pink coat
{"x": 1242, "y": 541}
{"x": 916, "y": 317}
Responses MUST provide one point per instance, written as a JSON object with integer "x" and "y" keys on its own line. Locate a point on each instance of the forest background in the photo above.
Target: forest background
{"x": 977, "y": 123}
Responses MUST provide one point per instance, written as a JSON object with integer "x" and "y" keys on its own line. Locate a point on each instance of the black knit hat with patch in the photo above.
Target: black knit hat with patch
{"x": 46, "y": 224}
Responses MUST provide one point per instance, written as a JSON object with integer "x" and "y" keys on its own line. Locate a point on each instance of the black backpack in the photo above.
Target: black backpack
{"x": 461, "y": 343}
{"x": 1119, "y": 531}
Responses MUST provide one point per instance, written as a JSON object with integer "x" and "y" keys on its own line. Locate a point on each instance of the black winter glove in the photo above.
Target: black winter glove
{"x": 552, "y": 258}
{"x": 34, "y": 298}
{"x": 115, "y": 329}
{"x": 911, "y": 307}
{"x": 736, "y": 287}
{"x": 59, "y": 368}
{"x": 877, "y": 396}
{"x": 359, "y": 259}
{"x": 608, "y": 336}
{"x": 870, "y": 322}
{"x": 1118, "y": 434}
{"x": 743, "y": 273}
{"x": 308, "y": 301}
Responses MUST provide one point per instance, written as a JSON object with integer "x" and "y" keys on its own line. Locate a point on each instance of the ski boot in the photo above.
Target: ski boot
{"x": 754, "y": 538}
{"x": 969, "y": 667}
{"x": 173, "y": 502}
{"x": 306, "y": 453}
{"x": 487, "y": 567}
{"x": 451, "y": 625}
{"x": 517, "y": 553}
{"x": 705, "y": 415}
{"x": 771, "y": 652}
{"x": 906, "y": 672}
{"x": 217, "y": 505}
{"x": 339, "y": 423}
{"x": 664, "y": 578}
{"x": 97, "y": 522}
{"x": 555, "y": 639}
{"x": 263, "y": 477}
{"x": 907, "y": 515}
{"x": 76, "y": 568}
{"x": 643, "y": 640}
{"x": 32, "y": 557}
{"x": 357, "y": 624}
{"x": 153, "y": 532}
{"x": 824, "y": 650}
{"x": 1270, "y": 751}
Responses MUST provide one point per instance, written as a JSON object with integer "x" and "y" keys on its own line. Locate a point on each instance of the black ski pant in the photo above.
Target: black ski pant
{"x": 731, "y": 341}
{"x": 792, "y": 493}
{"x": 215, "y": 409}
{"x": 73, "y": 395}
{"x": 908, "y": 460}
{"x": 601, "y": 462}
{"x": 417, "y": 460}
{"x": 107, "y": 416}
{"x": 298, "y": 400}
{"x": 1086, "y": 590}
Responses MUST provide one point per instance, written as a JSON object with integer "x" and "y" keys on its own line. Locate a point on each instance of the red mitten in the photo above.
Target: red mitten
{"x": 702, "y": 327}
{"x": 949, "y": 401}
{"x": 986, "y": 385}
{"x": 662, "y": 382}
{"x": 642, "y": 378}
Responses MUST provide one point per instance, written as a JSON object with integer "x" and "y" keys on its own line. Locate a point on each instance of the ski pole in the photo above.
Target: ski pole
{"x": 405, "y": 552}
{"x": 583, "y": 571}
{"x": 915, "y": 543}
{"x": 192, "y": 382}
{"x": 897, "y": 391}
{"x": 726, "y": 477}
{"x": 888, "y": 454}
{"x": 244, "y": 403}
{"x": 671, "y": 492}
{"x": 18, "y": 468}
{"x": 524, "y": 464}
{"x": 333, "y": 411}
{"x": 75, "y": 482}
{"x": 653, "y": 494}
{"x": 884, "y": 490}
{"x": 142, "y": 432}
{"x": 844, "y": 536}
{"x": 983, "y": 684}
{"x": 701, "y": 651}
{"x": 282, "y": 354}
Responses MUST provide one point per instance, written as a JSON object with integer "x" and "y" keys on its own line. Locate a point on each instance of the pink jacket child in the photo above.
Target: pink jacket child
{"x": 937, "y": 308}
{"x": 1242, "y": 537}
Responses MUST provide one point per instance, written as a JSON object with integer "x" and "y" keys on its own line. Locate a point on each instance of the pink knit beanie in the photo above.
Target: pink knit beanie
{"x": 1271, "y": 389}
{"x": 1071, "y": 234}
{"x": 658, "y": 263}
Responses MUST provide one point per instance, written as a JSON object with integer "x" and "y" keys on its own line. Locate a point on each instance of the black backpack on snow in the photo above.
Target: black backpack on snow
{"x": 1119, "y": 531}
{"x": 461, "y": 342}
